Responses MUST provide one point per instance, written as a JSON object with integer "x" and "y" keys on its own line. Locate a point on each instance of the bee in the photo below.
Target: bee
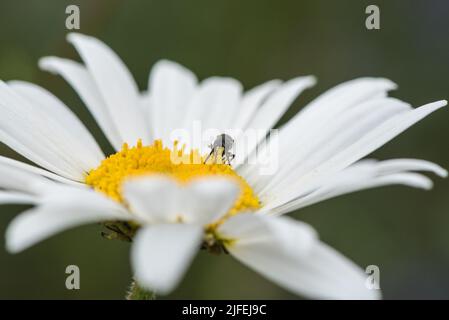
{"x": 222, "y": 147}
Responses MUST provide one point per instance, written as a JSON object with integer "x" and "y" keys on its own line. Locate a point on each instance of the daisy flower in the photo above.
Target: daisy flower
{"x": 170, "y": 209}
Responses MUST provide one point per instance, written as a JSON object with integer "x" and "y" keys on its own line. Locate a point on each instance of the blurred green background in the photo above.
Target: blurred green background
{"x": 402, "y": 230}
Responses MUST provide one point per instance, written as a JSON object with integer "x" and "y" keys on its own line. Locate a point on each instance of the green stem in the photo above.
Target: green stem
{"x": 136, "y": 292}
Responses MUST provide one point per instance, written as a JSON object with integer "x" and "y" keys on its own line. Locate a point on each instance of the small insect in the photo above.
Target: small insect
{"x": 222, "y": 148}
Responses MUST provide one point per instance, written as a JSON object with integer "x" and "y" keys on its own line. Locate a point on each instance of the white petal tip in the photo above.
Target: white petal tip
{"x": 419, "y": 181}
{"x": 389, "y": 85}
{"x": 438, "y": 104}
{"x": 439, "y": 171}
{"x": 305, "y": 81}
{"x": 13, "y": 249}
{"x": 45, "y": 63}
{"x": 12, "y": 242}
{"x": 383, "y": 83}
{"x": 165, "y": 63}
{"x": 53, "y": 64}
{"x": 312, "y": 80}
{"x": 73, "y": 36}
{"x": 425, "y": 185}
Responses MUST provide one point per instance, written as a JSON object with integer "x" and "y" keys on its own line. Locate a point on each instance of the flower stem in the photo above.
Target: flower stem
{"x": 136, "y": 292}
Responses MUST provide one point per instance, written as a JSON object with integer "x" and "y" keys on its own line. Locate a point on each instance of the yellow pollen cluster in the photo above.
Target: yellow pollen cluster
{"x": 156, "y": 159}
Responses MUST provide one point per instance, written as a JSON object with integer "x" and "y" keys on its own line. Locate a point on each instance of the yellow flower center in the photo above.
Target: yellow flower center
{"x": 156, "y": 159}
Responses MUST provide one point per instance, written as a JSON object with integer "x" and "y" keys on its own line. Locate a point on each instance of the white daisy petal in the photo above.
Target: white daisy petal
{"x": 377, "y": 137}
{"x": 208, "y": 199}
{"x": 252, "y": 100}
{"x": 80, "y": 79}
{"x": 64, "y": 195}
{"x": 154, "y": 199}
{"x": 276, "y": 234}
{"x": 7, "y": 197}
{"x": 11, "y": 164}
{"x": 328, "y": 274}
{"x": 76, "y": 133}
{"x": 60, "y": 210}
{"x": 340, "y": 98}
{"x": 171, "y": 86}
{"x": 287, "y": 252}
{"x": 279, "y": 101}
{"x": 39, "y": 155}
{"x": 414, "y": 180}
{"x": 314, "y": 118}
{"x": 362, "y": 146}
{"x": 116, "y": 85}
{"x": 18, "y": 179}
{"x": 275, "y": 106}
{"x": 225, "y": 103}
{"x": 366, "y": 174}
{"x": 42, "y": 222}
{"x": 214, "y": 104}
{"x": 398, "y": 165}
{"x": 158, "y": 199}
{"x": 320, "y": 119}
{"x": 161, "y": 254}
{"x": 319, "y": 145}
{"x": 22, "y": 124}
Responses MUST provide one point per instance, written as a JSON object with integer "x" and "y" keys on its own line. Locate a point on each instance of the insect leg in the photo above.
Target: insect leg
{"x": 207, "y": 158}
